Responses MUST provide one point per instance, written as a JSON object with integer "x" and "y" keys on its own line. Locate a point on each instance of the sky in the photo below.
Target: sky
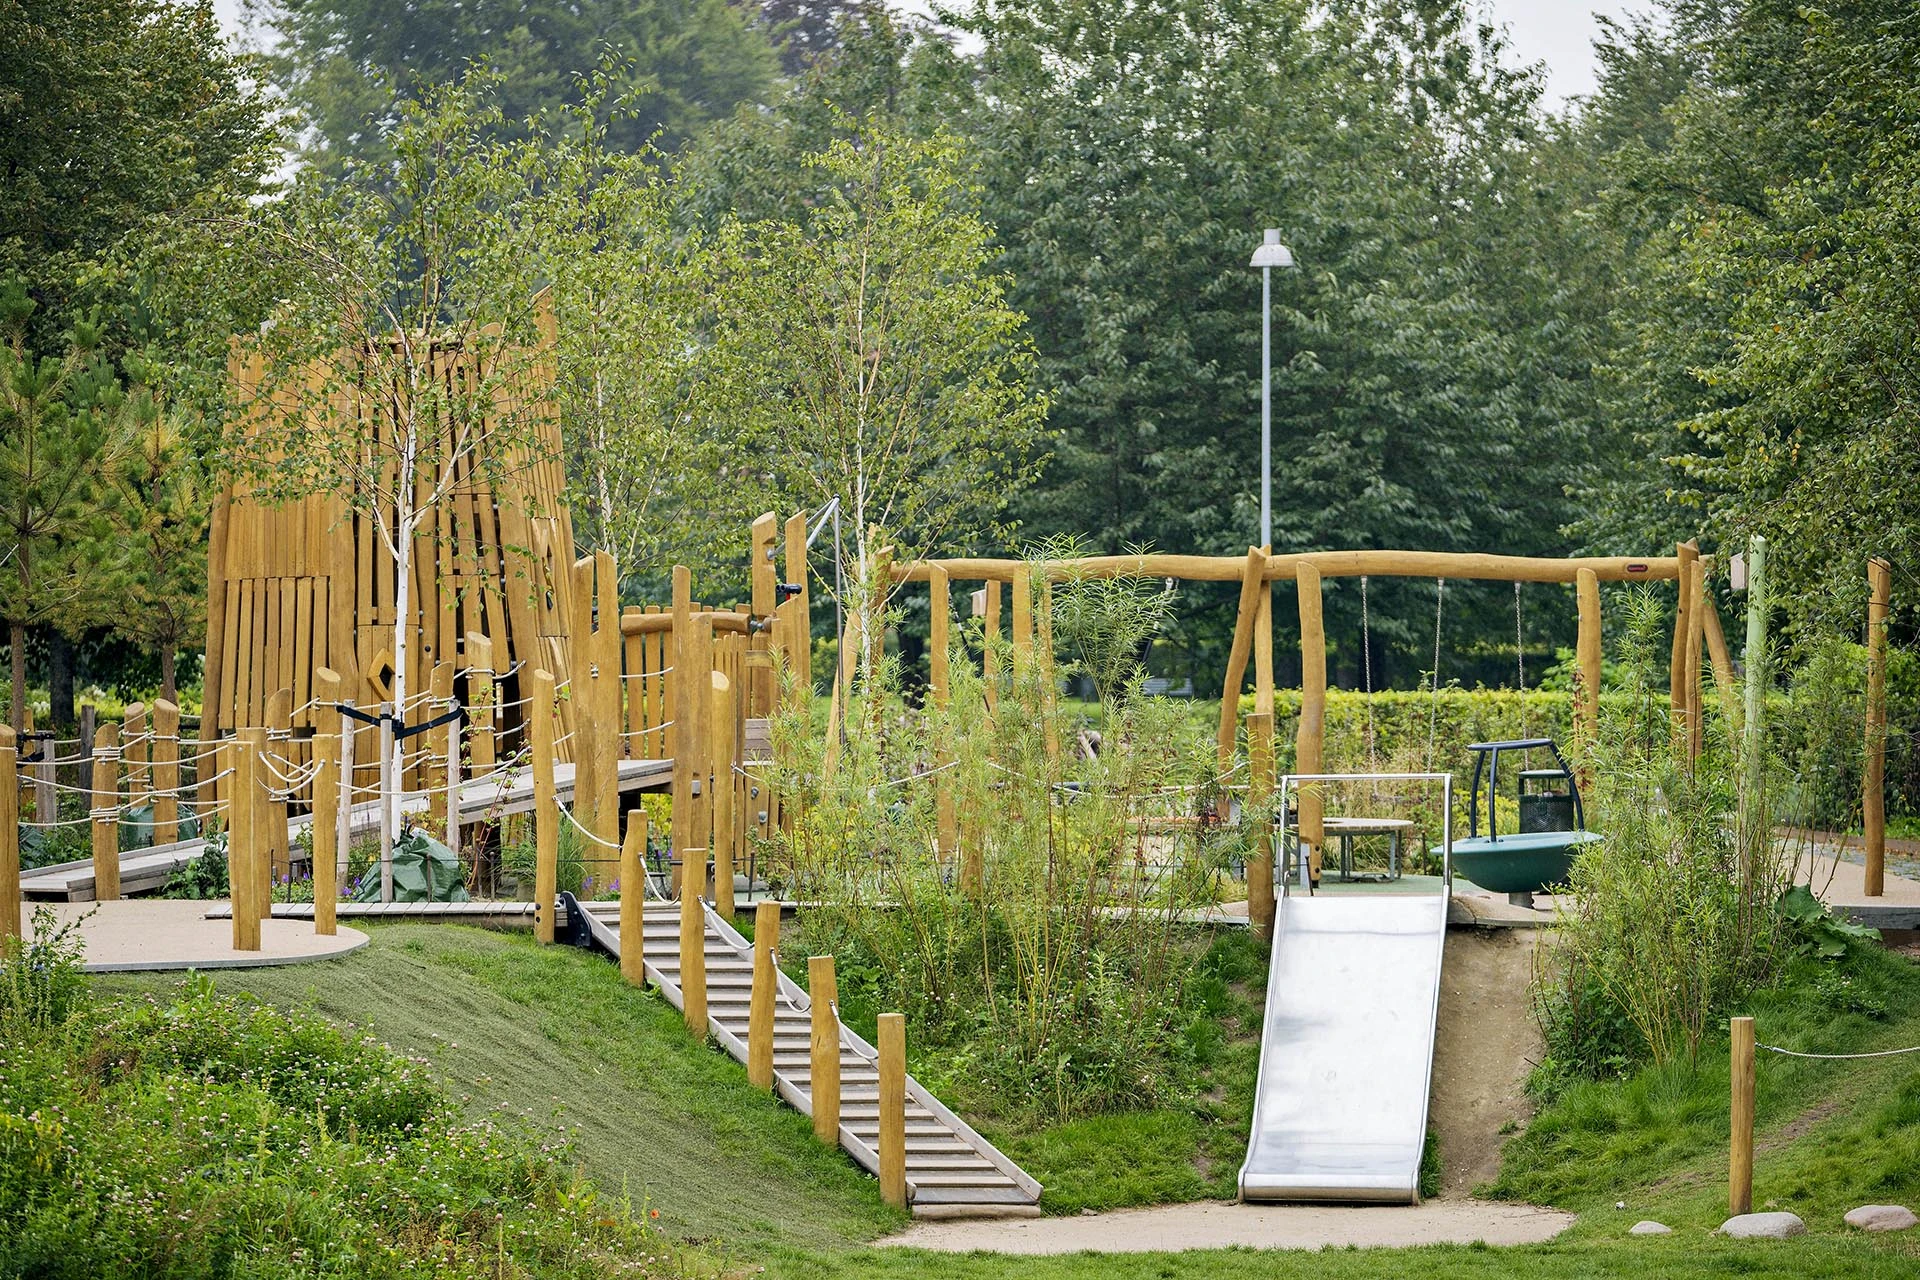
{"x": 1556, "y": 33}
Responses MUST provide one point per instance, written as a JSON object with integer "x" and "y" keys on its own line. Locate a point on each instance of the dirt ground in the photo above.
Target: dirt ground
{"x": 1487, "y": 1043}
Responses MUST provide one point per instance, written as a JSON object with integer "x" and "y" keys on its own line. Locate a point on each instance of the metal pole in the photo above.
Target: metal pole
{"x": 1266, "y": 406}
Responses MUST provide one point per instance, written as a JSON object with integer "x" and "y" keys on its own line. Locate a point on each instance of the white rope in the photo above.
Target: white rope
{"x": 1835, "y": 1057}
{"x": 641, "y": 733}
{"x": 605, "y": 844}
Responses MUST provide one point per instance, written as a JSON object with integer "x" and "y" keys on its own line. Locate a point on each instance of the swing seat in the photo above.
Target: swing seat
{"x": 1524, "y": 862}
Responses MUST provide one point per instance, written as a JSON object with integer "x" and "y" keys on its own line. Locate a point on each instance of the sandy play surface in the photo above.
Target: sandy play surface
{"x": 1180, "y": 1227}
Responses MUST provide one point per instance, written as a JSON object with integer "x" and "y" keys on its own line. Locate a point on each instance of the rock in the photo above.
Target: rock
{"x": 1763, "y": 1226}
{"x": 1648, "y": 1227}
{"x": 1881, "y": 1217}
{"x": 1619, "y": 1204}
{"x": 1089, "y": 1213}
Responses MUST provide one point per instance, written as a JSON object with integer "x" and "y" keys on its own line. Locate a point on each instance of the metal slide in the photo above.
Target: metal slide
{"x": 1346, "y": 1049}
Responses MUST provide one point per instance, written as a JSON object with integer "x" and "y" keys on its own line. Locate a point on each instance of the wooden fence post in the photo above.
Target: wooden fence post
{"x": 106, "y": 814}
{"x": 166, "y": 772}
{"x": 766, "y": 992}
{"x": 633, "y": 900}
{"x": 1260, "y": 779}
{"x": 724, "y": 743}
{"x": 134, "y": 756}
{"x": 1740, "y": 1153}
{"x": 693, "y": 942}
{"x": 1874, "y": 794}
{"x": 9, "y": 835}
{"x": 1313, "y": 716}
{"x": 823, "y": 990}
{"x": 892, "y": 1044}
{"x": 274, "y": 792}
{"x": 546, "y": 816}
{"x": 325, "y": 827}
{"x": 243, "y": 835}
{"x": 480, "y": 703}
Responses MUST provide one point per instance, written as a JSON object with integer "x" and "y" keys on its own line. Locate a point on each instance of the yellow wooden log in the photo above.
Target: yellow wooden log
{"x": 1311, "y": 734}
{"x": 260, "y": 853}
{"x": 582, "y": 696}
{"x": 765, "y": 998}
{"x": 546, "y": 814}
{"x": 1331, "y": 564}
{"x": 633, "y": 900}
{"x": 700, "y": 733}
{"x": 273, "y": 790}
{"x": 481, "y": 703}
{"x": 800, "y": 633}
{"x": 606, "y": 648}
{"x": 679, "y": 683}
{"x": 892, "y": 1046}
{"x": 763, "y": 576}
{"x": 1263, "y": 649}
{"x": 9, "y": 835}
{"x": 106, "y": 814}
{"x": 1873, "y": 800}
{"x": 134, "y": 755}
{"x": 166, "y": 772}
{"x": 824, "y": 1049}
{"x": 1678, "y": 686}
{"x": 243, "y": 835}
{"x": 1252, "y": 583}
{"x": 726, "y": 754}
{"x": 326, "y": 799}
{"x": 1022, "y": 590}
{"x": 1740, "y": 1148}
{"x": 1260, "y": 780}
{"x": 1586, "y": 694}
{"x": 693, "y": 942}
{"x": 990, "y": 649}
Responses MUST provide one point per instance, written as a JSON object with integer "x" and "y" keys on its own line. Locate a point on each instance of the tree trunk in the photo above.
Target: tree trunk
{"x": 17, "y": 708}
{"x": 168, "y": 689}
{"x": 60, "y": 678}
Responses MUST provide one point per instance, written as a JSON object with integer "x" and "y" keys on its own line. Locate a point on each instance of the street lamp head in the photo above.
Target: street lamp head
{"x": 1271, "y": 252}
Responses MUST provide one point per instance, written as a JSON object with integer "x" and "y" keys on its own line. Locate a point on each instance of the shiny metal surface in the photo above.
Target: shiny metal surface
{"x": 1346, "y": 1050}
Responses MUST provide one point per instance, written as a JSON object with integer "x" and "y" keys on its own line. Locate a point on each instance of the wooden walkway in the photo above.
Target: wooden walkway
{"x": 147, "y": 870}
{"x": 949, "y": 1166}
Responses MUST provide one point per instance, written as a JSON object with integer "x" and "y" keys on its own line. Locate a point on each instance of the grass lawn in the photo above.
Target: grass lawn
{"x": 553, "y": 1034}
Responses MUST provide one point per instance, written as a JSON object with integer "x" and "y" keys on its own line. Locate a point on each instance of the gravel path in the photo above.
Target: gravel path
{"x": 1180, "y": 1227}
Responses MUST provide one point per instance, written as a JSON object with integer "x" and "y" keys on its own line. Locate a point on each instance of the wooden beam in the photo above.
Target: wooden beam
{"x": 891, "y": 1042}
{"x": 1311, "y": 735}
{"x": 243, "y": 834}
{"x": 824, "y": 1049}
{"x": 1252, "y": 583}
{"x": 1874, "y": 793}
{"x": 693, "y": 942}
{"x": 1331, "y": 564}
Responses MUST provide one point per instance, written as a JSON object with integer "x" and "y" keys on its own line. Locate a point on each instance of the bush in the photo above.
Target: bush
{"x": 211, "y": 1136}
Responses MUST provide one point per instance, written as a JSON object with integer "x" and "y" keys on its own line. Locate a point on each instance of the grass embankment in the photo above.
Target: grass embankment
{"x": 555, "y": 1032}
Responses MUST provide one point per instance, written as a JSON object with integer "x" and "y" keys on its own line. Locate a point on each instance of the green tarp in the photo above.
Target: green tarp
{"x": 424, "y": 870}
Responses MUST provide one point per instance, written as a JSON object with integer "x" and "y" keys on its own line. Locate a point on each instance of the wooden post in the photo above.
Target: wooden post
{"x": 9, "y": 835}
{"x": 697, "y": 741}
{"x": 1873, "y": 801}
{"x": 480, "y": 703}
{"x": 725, "y": 743}
{"x": 823, "y": 991}
{"x": 1677, "y": 684}
{"x": 106, "y": 814}
{"x": 349, "y": 734}
{"x": 1313, "y": 715}
{"x": 439, "y": 766}
{"x": 134, "y": 755}
{"x": 1587, "y": 651}
{"x": 679, "y": 644}
{"x": 1260, "y": 778}
{"x": 166, "y": 772}
{"x": 766, "y": 991}
{"x": 243, "y": 836}
{"x": 1696, "y": 643}
{"x": 546, "y": 815}
{"x": 939, "y": 613}
{"x": 46, "y": 797}
{"x": 693, "y": 942}
{"x": 1253, "y": 583}
{"x": 800, "y": 633}
{"x": 892, "y": 1044}
{"x": 606, "y": 694}
{"x": 581, "y": 697}
{"x": 1022, "y": 620}
{"x": 990, "y": 646}
{"x": 1754, "y": 729}
{"x": 1740, "y": 1153}
{"x": 260, "y": 853}
{"x": 273, "y": 792}
{"x": 633, "y": 900}
{"x": 1263, "y": 650}
{"x": 762, "y": 580}
{"x": 326, "y": 798}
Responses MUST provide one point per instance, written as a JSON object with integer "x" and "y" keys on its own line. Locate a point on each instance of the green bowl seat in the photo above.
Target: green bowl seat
{"x": 1524, "y": 862}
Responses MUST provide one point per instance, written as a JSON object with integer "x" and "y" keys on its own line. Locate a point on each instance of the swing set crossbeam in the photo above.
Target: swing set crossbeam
{"x": 1330, "y": 564}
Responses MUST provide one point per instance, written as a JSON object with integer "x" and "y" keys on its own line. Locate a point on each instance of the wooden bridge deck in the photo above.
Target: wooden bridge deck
{"x": 948, "y": 1164}
{"x": 146, "y": 870}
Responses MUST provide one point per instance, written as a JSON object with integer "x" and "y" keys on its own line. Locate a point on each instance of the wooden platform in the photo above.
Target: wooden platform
{"x": 146, "y": 870}
{"x": 141, "y": 934}
{"x": 948, "y": 1164}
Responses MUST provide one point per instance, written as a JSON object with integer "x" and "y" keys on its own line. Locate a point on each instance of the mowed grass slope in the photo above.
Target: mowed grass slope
{"x": 553, "y": 1034}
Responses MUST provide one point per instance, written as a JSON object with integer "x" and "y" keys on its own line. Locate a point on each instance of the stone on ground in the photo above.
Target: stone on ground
{"x": 1881, "y": 1217}
{"x": 1648, "y": 1227}
{"x": 1763, "y": 1226}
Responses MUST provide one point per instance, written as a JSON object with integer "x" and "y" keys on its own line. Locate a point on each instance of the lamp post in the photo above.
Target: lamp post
{"x": 1269, "y": 255}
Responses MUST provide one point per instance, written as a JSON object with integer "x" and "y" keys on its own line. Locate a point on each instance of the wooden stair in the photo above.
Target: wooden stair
{"x": 948, "y": 1164}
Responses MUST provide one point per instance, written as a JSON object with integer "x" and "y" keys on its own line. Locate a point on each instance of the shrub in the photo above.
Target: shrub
{"x": 40, "y": 977}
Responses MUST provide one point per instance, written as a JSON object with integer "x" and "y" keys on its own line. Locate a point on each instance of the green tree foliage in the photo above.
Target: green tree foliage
{"x": 161, "y": 502}
{"x": 344, "y": 63}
